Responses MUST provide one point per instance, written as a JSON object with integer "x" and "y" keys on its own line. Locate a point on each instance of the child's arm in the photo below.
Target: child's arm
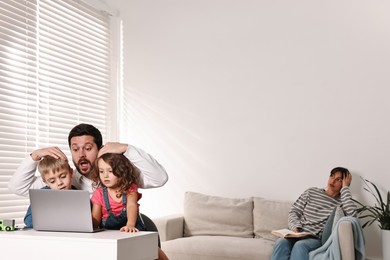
{"x": 96, "y": 215}
{"x": 132, "y": 212}
{"x": 28, "y": 218}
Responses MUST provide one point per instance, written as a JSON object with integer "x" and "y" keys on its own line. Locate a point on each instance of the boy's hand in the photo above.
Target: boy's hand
{"x": 53, "y": 151}
{"x": 128, "y": 229}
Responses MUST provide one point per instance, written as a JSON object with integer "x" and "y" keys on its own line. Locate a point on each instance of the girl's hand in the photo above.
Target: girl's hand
{"x": 128, "y": 229}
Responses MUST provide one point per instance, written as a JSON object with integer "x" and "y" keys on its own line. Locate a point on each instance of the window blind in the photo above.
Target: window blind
{"x": 54, "y": 74}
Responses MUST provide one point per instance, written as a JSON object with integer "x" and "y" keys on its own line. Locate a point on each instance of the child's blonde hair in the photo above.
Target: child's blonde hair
{"x": 51, "y": 164}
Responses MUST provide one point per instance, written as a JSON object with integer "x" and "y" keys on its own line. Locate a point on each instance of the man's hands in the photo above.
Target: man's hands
{"x": 113, "y": 147}
{"x": 53, "y": 151}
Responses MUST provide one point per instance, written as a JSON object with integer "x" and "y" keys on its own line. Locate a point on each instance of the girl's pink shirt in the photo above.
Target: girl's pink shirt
{"x": 116, "y": 207}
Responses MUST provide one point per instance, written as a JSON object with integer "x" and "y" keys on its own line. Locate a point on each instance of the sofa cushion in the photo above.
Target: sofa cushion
{"x": 328, "y": 227}
{"x": 331, "y": 222}
{"x": 269, "y": 215}
{"x": 338, "y": 214}
{"x": 213, "y": 215}
{"x": 218, "y": 248}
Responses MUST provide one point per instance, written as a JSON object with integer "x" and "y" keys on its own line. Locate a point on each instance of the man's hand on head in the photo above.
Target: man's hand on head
{"x": 113, "y": 147}
{"x": 53, "y": 151}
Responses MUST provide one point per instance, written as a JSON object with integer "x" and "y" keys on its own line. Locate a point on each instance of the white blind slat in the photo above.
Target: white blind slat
{"x": 54, "y": 74}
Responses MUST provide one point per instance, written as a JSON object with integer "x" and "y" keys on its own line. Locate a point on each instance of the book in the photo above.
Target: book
{"x": 287, "y": 233}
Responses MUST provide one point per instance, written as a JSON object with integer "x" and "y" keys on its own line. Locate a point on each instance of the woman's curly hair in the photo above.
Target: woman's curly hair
{"x": 122, "y": 168}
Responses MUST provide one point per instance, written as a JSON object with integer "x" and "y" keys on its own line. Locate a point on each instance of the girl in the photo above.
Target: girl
{"x": 115, "y": 200}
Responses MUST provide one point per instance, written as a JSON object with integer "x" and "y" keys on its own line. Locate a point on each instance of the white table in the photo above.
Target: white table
{"x": 104, "y": 245}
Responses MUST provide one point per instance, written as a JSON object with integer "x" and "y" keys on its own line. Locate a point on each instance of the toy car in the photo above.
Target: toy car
{"x": 7, "y": 224}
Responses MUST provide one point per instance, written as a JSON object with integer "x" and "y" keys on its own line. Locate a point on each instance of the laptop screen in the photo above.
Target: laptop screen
{"x": 61, "y": 210}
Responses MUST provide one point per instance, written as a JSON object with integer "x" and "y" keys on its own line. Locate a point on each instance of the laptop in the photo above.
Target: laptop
{"x": 61, "y": 210}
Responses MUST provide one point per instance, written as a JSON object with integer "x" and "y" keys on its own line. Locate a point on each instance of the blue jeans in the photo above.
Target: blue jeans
{"x": 294, "y": 249}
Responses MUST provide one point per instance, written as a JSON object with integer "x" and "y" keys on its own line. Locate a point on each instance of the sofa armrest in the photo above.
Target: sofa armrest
{"x": 170, "y": 227}
{"x": 346, "y": 240}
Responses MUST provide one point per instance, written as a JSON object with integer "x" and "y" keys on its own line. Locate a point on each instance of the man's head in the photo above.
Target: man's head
{"x": 336, "y": 177}
{"x": 84, "y": 142}
{"x": 56, "y": 173}
{"x": 86, "y": 129}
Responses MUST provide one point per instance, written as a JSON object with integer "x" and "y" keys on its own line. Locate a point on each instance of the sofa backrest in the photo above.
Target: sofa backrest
{"x": 239, "y": 217}
{"x": 269, "y": 215}
{"x": 213, "y": 215}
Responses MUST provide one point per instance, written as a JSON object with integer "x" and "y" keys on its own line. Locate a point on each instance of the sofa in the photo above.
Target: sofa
{"x": 216, "y": 228}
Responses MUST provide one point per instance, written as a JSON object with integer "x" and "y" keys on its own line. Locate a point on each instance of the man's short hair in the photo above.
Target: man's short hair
{"x": 86, "y": 129}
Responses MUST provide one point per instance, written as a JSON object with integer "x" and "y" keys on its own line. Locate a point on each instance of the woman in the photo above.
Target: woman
{"x": 310, "y": 213}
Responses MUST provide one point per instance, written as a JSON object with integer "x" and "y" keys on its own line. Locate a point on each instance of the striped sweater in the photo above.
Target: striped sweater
{"x": 312, "y": 209}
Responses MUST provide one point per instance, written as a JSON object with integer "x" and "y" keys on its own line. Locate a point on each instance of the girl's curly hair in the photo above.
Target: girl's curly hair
{"x": 122, "y": 168}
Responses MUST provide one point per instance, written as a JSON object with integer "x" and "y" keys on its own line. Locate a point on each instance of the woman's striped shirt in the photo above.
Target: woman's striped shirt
{"x": 312, "y": 209}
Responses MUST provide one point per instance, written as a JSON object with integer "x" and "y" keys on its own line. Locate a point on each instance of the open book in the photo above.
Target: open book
{"x": 287, "y": 233}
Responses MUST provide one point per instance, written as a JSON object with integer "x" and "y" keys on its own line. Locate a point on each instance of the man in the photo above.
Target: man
{"x": 85, "y": 143}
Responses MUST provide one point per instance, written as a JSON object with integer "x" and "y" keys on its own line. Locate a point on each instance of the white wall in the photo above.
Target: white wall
{"x": 257, "y": 98}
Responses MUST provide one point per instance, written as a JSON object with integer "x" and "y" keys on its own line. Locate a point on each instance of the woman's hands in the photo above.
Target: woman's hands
{"x": 347, "y": 179}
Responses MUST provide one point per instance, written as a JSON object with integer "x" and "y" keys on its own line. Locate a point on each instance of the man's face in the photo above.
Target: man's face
{"x": 84, "y": 153}
{"x": 59, "y": 180}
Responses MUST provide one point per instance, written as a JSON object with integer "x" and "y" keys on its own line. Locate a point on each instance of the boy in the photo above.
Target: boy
{"x": 56, "y": 174}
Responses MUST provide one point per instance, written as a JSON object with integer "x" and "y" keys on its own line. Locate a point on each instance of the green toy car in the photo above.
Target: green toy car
{"x": 7, "y": 224}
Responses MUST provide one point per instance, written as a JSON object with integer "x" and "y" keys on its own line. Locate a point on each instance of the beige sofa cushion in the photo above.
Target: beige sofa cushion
{"x": 269, "y": 215}
{"x": 218, "y": 248}
{"x": 212, "y": 215}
